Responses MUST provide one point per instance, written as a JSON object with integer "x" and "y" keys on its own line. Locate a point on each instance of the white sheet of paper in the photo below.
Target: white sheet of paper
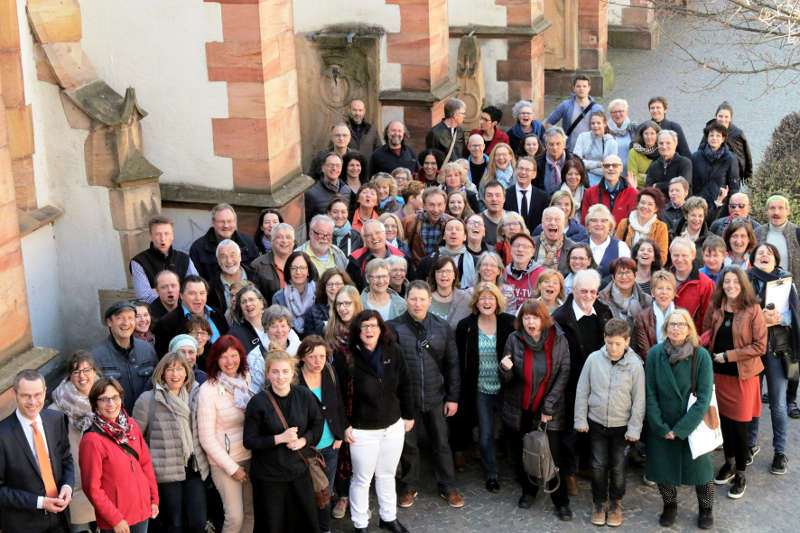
{"x": 777, "y": 292}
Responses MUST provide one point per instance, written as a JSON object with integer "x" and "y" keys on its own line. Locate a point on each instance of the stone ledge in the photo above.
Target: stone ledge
{"x": 421, "y": 98}
{"x": 502, "y": 32}
{"x": 45, "y": 360}
{"x": 30, "y": 221}
{"x": 641, "y": 38}
{"x": 194, "y": 194}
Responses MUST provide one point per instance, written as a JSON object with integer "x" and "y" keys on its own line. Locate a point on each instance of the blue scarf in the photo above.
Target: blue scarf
{"x": 373, "y": 357}
{"x": 714, "y": 155}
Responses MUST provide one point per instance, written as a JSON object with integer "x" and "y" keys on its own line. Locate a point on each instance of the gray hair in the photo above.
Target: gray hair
{"x": 451, "y": 106}
{"x": 671, "y": 133}
{"x": 618, "y": 102}
{"x": 28, "y": 374}
{"x": 554, "y": 209}
{"x": 317, "y": 219}
{"x": 393, "y": 260}
{"x": 371, "y": 222}
{"x": 552, "y": 131}
{"x": 278, "y": 227}
{"x": 276, "y": 312}
{"x": 683, "y": 241}
{"x": 518, "y": 107}
{"x": 222, "y": 207}
{"x": 497, "y": 260}
{"x": 401, "y": 170}
{"x": 602, "y": 211}
{"x": 224, "y": 243}
{"x": 694, "y": 202}
{"x": 680, "y": 179}
{"x": 588, "y": 275}
{"x": 375, "y": 264}
{"x": 339, "y": 125}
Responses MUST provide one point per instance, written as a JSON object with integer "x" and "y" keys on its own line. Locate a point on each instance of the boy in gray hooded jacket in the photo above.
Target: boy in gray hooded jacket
{"x": 609, "y": 404}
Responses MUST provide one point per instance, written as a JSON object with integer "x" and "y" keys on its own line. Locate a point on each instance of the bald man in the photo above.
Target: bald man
{"x": 738, "y": 207}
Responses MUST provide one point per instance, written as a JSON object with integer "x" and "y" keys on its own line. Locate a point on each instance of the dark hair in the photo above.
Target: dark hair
{"x": 775, "y": 253}
{"x": 494, "y": 113}
{"x": 311, "y": 342}
{"x": 321, "y": 297}
{"x": 259, "y": 232}
{"x": 78, "y": 357}
{"x": 354, "y": 335}
{"x": 237, "y": 301}
{"x": 588, "y": 249}
{"x": 724, "y": 106}
{"x": 418, "y": 284}
{"x": 521, "y": 146}
{"x": 580, "y": 77}
{"x": 287, "y": 273}
{"x": 747, "y": 297}
{"x": 639, "y": 138}
{"x": 437, "y": 154}
{"x": 654, "y": 193}
{"x": 715, "y": 126}
{"x": 656, "y": 264}
{"x": 157, "y": 220}
{"x": 621, "y": 263}
{"x": 605, "y": 119}
{"x": 536, "y": 308}
{"x": 100, "y": 386}
{"x": 660, "y": 99}
{"x": 371, "y": 187}
{"x": 492, "y": 183}
{"x": 406, "y": 133}
{"x": 735, "y": 225}
{"x": 358, "y": 156}
{"x": 336, "y": 198}
{"x": 577, "y": 164}
{"x": 223, "y": 344}
{"x": 617, "y": 327}
{"x": 439, "y": 263}
{"x": 714, "y": 242}
{"x": 193, "y": 278}
{"x": 198, "y": 322}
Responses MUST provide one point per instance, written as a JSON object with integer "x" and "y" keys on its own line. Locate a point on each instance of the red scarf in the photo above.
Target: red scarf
{"x": 527, "y": 369}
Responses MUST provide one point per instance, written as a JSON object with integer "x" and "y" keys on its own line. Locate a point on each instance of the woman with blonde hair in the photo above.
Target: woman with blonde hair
{"x": 549, "y": 289}
{"x": 388, "y": 200}
{"x": 501, "y": 166}
{"x": 454, "y": 177}
{"x": 395, "y": 235}
{"x": 510, "y": 224}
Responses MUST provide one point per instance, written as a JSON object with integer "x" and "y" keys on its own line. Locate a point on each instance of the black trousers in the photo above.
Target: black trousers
{"x": 435, "y": 426}
{"x": 182, "y": 507}
{"x": 609, "y": 454}
{"x": 734, "y": 441}
{"x": 557, "y": 450}
{"x": 283, "y": 506}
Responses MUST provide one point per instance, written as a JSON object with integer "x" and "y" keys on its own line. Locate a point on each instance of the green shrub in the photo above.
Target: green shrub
{"x": 779, "y": 172}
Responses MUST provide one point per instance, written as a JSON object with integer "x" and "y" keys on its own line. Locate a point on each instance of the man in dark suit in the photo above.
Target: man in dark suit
{"x": 525, "y": 199}
{"x": 36, "y": 469}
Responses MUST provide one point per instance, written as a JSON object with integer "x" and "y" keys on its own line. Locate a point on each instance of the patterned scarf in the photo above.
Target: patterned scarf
{"x": 236, "y": 387}
{"x": 73, "y": 404}
{"x": 651, "y": 153}
{"x": 553, "y": 177}
{"x": 549, "y": 253}
{"x": 119, "y": 429}
{"x": 298, "y": 303}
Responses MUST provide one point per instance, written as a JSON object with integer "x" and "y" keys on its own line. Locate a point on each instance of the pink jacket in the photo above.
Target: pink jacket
{"x": 217, "y": 417}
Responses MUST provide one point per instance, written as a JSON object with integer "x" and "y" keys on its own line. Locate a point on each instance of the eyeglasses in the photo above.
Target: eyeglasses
{"x": 320, "y": 235}
{"x": 624, "y": 273}
{"x": 443, "y": 272}
{"x": 109, "y": 399}
{"x": 737, "y": 206}
{"x": 334, "y": 284}
{"x": 82, "y": 372}
{"x": 677, "y": 325}
{"x": 475, "y": 223}
{"x": 587, "y": 291}
{"x": 298, "y": 269}
{"x": 365, "y": 327}
{"x": 344, "y": 304}
{"x": 199, "y": 333}
{"x": 612, "y": 165}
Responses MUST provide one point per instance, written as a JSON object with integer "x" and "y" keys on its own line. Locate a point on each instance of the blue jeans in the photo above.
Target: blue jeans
{"x": 141, "y": 527}
{"x": 182, "y": 507}
{"x": 776, "y": 389}
{"x": 331, "y": 458}
{"x": 487, "y": 406}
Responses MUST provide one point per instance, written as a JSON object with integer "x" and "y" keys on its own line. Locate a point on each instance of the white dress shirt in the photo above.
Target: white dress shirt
{"x": 579, "y": 312}
{"x": 599, "y": 250}
{"x": 27, "y": 429}
{"x": 519, "y": 199}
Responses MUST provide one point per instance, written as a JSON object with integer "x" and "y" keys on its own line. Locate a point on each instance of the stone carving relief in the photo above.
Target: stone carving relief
{"x": 469, "y": 77}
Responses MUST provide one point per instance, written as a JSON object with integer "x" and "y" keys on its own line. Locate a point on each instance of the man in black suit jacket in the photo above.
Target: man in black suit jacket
{"x": 194, "y": 297}
{"x": 35, "y": 489}
{"x": 535, "y": 198}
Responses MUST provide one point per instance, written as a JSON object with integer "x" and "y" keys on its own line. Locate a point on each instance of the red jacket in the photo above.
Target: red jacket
{"x": 117, "y": 485}
{"x": 499, "y": 137}
{"x": 694, "y": 295}
{"x": 623, "y": 205}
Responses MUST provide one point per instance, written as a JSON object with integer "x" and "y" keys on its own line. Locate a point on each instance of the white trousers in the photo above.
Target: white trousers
{"x": 375, "y": 452}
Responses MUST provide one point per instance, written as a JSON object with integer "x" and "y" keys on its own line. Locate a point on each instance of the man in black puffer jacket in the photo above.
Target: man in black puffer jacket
{"x": 429, "y": 347}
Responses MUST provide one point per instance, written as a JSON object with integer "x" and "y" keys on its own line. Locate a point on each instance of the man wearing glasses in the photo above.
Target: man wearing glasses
{"x": 614, "y": 193}
{"x": 319, "y": 196}
{"x": 739, "y": 207}
{"x": 320, "y": 248}
{"x": 448, "y": 135}
{"x": 373, "y": 233}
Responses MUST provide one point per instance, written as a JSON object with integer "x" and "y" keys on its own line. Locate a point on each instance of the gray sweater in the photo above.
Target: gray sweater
{"x": 613, "y": 394}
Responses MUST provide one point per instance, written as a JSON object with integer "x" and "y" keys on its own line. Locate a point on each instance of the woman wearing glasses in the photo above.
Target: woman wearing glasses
{"x": 300, "y": 276}
{"x": 623, "y": 296}
{"x": 329, "y": 284}
{"x": 377, "y": 295}
{"x": 643, "y": 222}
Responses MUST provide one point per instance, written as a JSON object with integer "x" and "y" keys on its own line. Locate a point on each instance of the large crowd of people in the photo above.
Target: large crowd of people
{"x": 583, "y": 280}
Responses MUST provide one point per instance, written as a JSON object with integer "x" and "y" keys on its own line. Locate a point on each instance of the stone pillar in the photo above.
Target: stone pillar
{"x": 421, "y": 47}
{"x": 262, "y": 131}
{"x": 636, "y": 28}
{"x": 524, "y": 68}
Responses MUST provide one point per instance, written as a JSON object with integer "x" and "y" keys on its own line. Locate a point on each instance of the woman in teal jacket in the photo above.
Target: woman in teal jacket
{"x": 668, "y": 378}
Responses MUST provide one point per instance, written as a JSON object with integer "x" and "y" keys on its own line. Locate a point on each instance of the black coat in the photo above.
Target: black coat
{"x": 204, "y": 252}
{"x": 216, "y": 291}
{"x": 468, "y": 358}
{"x": 132, "y": 368}
{"x": 246, "y": 334}
{"x": 537, "y": 202}
{"x": 659, "y": 175}
{"x": 709, "y": 176}
{"x": 439, "y": 138}
{"x": 739, "y": 145}
{"x": 541, "y": 163}
{"x": 431, "y": 357}
{"x": 683, "y": 145}
{"x": 276, "y": 462}
{"x": 332, "y": 405}
{"x": 264, "y": 265}
{"x": 20, "y": 481}
{"x": 384, "y": 159}
{"x": 378, "y": 401}
{"x": 174, "y": 323}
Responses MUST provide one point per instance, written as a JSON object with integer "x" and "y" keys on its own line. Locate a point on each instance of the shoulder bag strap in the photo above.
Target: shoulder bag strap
{"x": 126, "y": 447}
{"x": 277, "y": 409}
{"x": 579, "y": 118}
{"x": 693, "y": 387}
{"x": 452, "y": 145}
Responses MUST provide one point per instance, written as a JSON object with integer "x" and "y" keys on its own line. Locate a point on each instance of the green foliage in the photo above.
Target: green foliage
{"x": 779, "y": 172}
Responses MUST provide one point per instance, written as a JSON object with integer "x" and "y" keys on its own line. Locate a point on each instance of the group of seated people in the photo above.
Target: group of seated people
{"x": 582, "y": 280}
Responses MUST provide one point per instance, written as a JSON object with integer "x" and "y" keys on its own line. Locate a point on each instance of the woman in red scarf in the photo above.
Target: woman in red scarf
{"x": 534, "y": 372}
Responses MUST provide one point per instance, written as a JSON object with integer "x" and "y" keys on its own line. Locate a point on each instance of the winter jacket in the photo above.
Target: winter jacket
{"x": 638, "y": 164}
{"x": 541, "y": 169}
{"x": 564, "y": 113}
{"x": 791, "y": 233}
{"x": 319, "y": 196}
{"x": 350, "y": 243}
{"x": 264, "y": 265}
{"x": 566, "y": 246}
{"x": 667, "y": 390}
{"x": 719, "y": 226}
{"x": 315, "y": 318}
{"x": 204, "y": 252}
{"x": 574, "y": 232}
{"x": 431, "y": 357}
{"x": 272, "y": 461}
{"x": 737, "y": 143}
{"x": 378, "y": 401}
{"x": 332, "y": 405}
{"x": 357, "y": 263}
{"x": 384, "y": 159}
{"x": 439, "y": 138}
{"x": 216, "y": 290}
{"x": 659, "y": 232}
{"x": 659, "y": 174}
{"x": 611, "y": 394}
{"x": 163, "y": 436}
{"x": 644, "y": 332}
{"x": 592, "y": 150}
{"x": 553, "y": 401}
{"x": 672, "y": 216}
{"x": 246, "y": 334}
{"x": 118, "y": 486}
{"x": 397, "y": 305}
{"x": 624, "y": 203}
{"x": 694, "y": 295}
{"x": 708, "y": 176}
{"x": 364, "y": 138}
{"x": 132, "y": 367}
{"x": 219, "y": 426}
{"x": 644, "y": 299}
{"x": 315, "y": 167}
{"x": 749, "y": 331}
{"x": 683, "y": 146}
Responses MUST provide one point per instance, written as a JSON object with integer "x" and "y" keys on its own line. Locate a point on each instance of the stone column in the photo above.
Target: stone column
{"x": 262, "y": 131}
{"x": 421, "y": 47}
{"x": 636, "y": 27}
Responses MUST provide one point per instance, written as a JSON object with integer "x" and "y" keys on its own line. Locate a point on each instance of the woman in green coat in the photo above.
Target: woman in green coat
{"x": 669, "y": 376}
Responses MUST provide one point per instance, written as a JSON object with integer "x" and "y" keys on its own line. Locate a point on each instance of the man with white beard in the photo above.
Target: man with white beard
{"x": 229, "y": 259}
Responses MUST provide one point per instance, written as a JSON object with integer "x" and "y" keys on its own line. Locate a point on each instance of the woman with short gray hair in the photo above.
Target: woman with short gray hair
{"x": 280, "y": 336}
{"x": 524, "y": 125}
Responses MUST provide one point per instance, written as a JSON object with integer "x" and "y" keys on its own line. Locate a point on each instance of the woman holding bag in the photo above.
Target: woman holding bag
{"x": 668, "y": 380}
{"x": 738, "y": 339}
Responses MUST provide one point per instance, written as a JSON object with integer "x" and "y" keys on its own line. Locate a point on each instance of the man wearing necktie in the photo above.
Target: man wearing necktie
{"x": 36, "y": 469}
{"x": 524, "y": 198}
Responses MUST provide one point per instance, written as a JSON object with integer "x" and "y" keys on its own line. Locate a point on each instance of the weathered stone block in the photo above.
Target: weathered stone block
{"x": 240, "y": 22}
{"x": 11, "y": 72}
{"x": 20, "y": 131}
{"x": 70, "y": 65}
{"x": 132, "y": 207}
{"x": 246, "y": 100}
{"x": 234, "y": 61}
{"x": 44, "y": 72}
{"x": 76, "y": 118}
{"x": 132, "y": 242}
{"x": 55, "y": 20}
{"x": 9, "y": 25}
{"x": 240, "y": 138}
{"x": 635, "y": 38}
{"x": 24, "y": 184}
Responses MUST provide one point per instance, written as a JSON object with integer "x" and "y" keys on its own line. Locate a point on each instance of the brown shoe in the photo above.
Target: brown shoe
{"x": 406, "y": 499}
{"x": 340, "y": 508}
{"x": 460, "y": 462}
{"x": 453, "y": 498}
{"x": 599, "y": 514}
{"x": 614, "y": 518}
{"x": 572, "y": 486}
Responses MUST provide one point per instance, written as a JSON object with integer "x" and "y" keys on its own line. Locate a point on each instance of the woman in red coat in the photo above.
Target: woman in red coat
{"x": 116, "y": 470}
